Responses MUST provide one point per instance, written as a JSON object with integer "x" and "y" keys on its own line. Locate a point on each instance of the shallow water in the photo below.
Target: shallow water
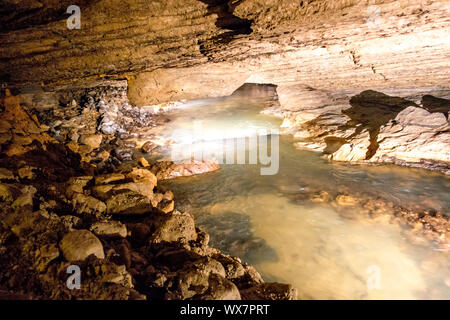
{"x": 324, "y": 250}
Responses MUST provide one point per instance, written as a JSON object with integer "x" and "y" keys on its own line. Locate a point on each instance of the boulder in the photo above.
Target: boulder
{"x": 77, "y": 245}
{"x": 175, "y": 227}
{"x": 148, "y": 147}
{"x": 83, "y": 204}
{"x": 140, "y": 175}
{"x": 128, "y": 202}
{"x": 109, "y": 229}
{"x": 166, "y": 206}
{"x": 270, "y": 291}
{"x": 220, "y": 289}
{"x": 93, "y": 141}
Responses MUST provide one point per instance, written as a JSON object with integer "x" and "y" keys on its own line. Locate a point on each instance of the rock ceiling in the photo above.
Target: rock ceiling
{"x": 171, "y": 49}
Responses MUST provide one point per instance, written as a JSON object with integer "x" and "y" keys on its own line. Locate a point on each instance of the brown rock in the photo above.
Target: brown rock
{"x": 87, "y": 205}
{"x": 128, "y": 202}
{"x": 108, "y": 178}
{"x": 270, "y": 291}
{"x": 109, "y": 229}
{"x": 93, "y": 141}
{"x": 77, "y": 245}
{"x": 166, "y": 206}
{"x": 346, "y": 200}
{"x": 175, "y": 227}
{"x": 148, "y": 147}
{"x": 143, "y": 162}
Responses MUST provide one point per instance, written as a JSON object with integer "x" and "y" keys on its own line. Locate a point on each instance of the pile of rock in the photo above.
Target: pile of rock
{"x": 121, "y": 229}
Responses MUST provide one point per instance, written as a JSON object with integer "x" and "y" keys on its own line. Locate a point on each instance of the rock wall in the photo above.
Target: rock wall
{"x": 318, "y": 53}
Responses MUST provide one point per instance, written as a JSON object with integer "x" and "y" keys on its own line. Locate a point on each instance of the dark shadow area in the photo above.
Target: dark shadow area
{"x": 257, "y": 90}
{"x": 231, "y": 233}
{"x": 370, "y": 110}
{"x": 433, "y": 104}
{"x": 16, "y": 15}
{"x": 227, "y": 20}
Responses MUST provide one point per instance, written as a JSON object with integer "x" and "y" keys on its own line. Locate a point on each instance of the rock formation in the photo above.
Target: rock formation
{"x": 359, "y": 80}
{"x": 118, "y": 227}
{"x": 319, "y": 54}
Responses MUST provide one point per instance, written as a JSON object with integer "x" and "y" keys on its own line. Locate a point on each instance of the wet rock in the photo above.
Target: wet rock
{"x": 346, "y": 200}
{"x": 168, "y": 195}
{"x": 77, "y": 245}
{"x": 109, "y": 229}
{"x": 194, "y": 279}
{"x": 83, "y": 204}
{"x": 169, "y": 170}
{"x": 175, "y": 227}
{"x": 128, "y": 202}
{"x": 233, "y": 267}
{"x": 157, "y": 198}
{"x": 415, "y": 134}
{"x": 270, "y": 291}
{"x": 148, "y": 147}
{"x": 123, "y": 154}
{"x": 321, "y": 196}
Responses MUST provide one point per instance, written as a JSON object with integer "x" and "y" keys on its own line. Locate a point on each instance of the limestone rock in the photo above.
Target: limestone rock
{"x": 76, "y": 185}
{"x": 77, "y": 245}
{"x": 148, "y": 147}
{"x": 169, "y": 170}
{"x": 270, "y": 291}
{"x": 84, "y": 204}
{"x": 128, "y": 202}
{"x": 140, "y": 175}
{"x": 109, "y": 229}
{"x": 166, "y": 206}
{"x": 416, "y": 134}
{"x": 92, "y": 141}
{"x": 175, "y": 227}
{"x": 221, "y": 289}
